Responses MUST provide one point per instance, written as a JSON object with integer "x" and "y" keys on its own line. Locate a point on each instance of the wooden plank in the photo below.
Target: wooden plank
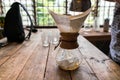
{"x": 8, "y": 50}
{"x": 4, "y": 51}
{"x": 113, "y": 68}
{"x": 93, "y": 36}
{"x": 84, "y": 72}
{"x": 53, "y": 72}
{"x": 35, "y": 66}
{"x": 94, "y": 33}
{"x": 102, "y": 65}
{"x": 12, "y": 67}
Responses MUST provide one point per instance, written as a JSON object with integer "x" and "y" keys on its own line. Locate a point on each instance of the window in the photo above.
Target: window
{"x": 105, "y": 10}
{"x": 1, "y": 7}
{"x": 41, "y": 17}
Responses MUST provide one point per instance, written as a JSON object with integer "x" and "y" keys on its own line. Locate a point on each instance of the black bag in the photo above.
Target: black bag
{"x": 80, "y": 5}
{"x": 13, "y": 27}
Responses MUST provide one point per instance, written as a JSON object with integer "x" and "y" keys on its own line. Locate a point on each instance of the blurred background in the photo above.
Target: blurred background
{"x": 41, "y": 18}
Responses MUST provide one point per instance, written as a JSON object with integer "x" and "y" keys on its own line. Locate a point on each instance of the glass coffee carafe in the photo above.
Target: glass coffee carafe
{"x": 68, "y": 56}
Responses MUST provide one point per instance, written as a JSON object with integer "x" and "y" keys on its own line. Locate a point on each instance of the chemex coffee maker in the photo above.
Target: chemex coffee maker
{"x": 68, "y": 56}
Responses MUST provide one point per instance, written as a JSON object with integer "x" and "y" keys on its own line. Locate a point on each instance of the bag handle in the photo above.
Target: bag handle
{"x": 32, "y": 29}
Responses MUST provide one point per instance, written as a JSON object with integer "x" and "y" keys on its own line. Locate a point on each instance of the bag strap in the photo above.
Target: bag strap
{"x": 29, "y": 34}
{"x": 32, "y": 29}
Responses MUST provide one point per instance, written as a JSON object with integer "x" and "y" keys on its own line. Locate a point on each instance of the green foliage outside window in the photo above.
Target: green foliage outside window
{"x": 43, "y": 17}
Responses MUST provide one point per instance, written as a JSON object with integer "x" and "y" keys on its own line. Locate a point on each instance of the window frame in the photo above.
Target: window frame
{"x": 95, "y": 12}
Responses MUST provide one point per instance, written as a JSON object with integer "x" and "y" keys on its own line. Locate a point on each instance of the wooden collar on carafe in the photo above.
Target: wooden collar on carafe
{"x": 69, "y": 40}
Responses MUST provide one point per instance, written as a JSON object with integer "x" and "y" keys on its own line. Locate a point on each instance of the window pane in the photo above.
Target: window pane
{"x": 106, "y": 10}
{"x": 43, "y": 17}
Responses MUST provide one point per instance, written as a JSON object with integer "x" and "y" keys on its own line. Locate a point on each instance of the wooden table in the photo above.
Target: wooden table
{"x": 31, "y": 61}
{"x": 93, "y": 36}
{"x": 99, "y": 38}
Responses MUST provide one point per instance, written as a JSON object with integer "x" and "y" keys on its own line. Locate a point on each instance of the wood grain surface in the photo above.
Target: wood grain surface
{"x": 30, "y": 60}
